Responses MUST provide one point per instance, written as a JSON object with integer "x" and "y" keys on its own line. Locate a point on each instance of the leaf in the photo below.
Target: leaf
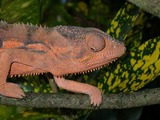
{"x": 134, "y": 38}
{"x": 137, "y": 68}
{"x": 34, "y": 115}
{"x": 131, "y": 74}
{"x": 123, "y": 21}
{"x": 6, "y": 111}
{"x": 30, "y": 11}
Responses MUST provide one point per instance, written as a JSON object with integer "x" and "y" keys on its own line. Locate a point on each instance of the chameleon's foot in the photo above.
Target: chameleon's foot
{"x": 93, "y": 92}
{"x": 95, "y": 96}
{"x": 11, "y": 90}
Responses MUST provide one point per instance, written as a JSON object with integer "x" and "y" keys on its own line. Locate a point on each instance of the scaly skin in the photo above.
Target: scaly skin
{"x": 61, "y": 50}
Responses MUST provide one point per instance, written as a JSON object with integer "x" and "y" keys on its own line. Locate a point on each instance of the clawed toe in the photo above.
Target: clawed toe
{"x": 96, "y": 97}
{"x": 11, "y": 90}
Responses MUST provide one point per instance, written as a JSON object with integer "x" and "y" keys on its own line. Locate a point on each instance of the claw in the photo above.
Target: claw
{"x": 96, "y": 97}
{"x": 11, "y": 90}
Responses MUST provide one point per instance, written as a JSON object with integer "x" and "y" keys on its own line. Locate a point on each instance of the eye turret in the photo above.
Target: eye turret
{"x": 96, "y": 43}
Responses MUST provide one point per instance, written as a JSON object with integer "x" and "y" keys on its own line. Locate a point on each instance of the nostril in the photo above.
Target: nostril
{"x": 92, "y": 49}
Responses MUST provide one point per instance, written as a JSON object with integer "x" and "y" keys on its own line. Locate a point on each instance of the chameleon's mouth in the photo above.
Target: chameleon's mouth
{"x": 91, "y": 69}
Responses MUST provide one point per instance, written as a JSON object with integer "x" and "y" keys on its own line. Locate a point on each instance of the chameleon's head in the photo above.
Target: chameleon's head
{"x": 84, "y": 49}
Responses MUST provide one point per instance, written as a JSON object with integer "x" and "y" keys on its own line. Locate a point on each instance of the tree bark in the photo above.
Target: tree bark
{"x": 150, "y": 6}
{"x": 79, "y": 101}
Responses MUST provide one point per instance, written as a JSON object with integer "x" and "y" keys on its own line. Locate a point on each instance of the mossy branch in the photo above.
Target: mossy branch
{"x": 79, "y": 101}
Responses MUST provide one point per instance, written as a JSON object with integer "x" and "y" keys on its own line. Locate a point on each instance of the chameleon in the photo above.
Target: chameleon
{"x": 27, "y": 49}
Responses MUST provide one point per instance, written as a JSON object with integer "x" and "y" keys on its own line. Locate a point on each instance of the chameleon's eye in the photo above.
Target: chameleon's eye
{"x": 96, "y": 43}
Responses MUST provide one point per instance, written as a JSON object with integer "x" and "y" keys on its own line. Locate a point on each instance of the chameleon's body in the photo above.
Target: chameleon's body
{"x": 61, "y": 50}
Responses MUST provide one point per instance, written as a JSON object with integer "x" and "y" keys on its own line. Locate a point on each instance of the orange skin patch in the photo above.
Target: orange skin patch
{"x": 12, "y": 43}
{"x": 37, "y": 46}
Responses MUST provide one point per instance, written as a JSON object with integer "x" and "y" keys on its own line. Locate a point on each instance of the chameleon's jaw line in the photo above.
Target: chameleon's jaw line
{"x": 29, "y": 74}
{"x": 90, "y": 70}
{"x": 81, "y": 72}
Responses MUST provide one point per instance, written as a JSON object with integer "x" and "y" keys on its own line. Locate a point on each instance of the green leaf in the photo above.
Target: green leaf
{"x": 6, "y": 111}
{"x": 29, "y": 11}
{"x": 140, "y": 64}
{"x": 123, "y": 21}
{"x": 139, "y": 68}
{"x": 134, "y": 37}
{"x": 33, "y": 115}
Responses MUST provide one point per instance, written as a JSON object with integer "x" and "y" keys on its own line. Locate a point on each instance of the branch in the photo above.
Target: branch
{"x": 150, "y": 6}
{"x": 78, "y": 101}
